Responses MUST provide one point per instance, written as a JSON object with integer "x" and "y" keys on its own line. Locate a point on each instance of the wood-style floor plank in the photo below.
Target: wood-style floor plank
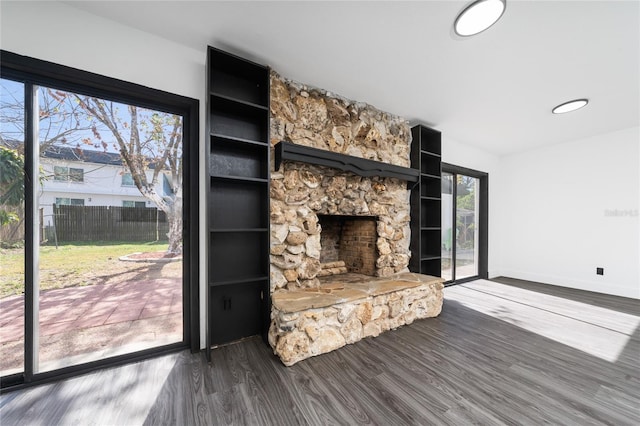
{"x": 523, "y": 354}
{"x": 616, "y": 303}
{"x": 115, "y": 396}
{"x": 613, "y": 320}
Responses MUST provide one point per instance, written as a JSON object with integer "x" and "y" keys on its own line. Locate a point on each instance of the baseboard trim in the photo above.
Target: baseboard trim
{"x": 610, "y": 289}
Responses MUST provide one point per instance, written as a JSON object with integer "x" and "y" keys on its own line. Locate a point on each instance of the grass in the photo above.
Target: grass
{"x": 69, "y": 265}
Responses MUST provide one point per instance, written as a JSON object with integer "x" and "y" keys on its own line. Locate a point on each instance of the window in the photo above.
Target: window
{"x": 69, "y": 201}
{"x": 68, "y": 174}
{"x": 60, "y": 173}
{"x": 127, "y": 180}
{"x": 136, "y": 204}
{"x": 76, "y": 175}
{"x": 166, "y": 186}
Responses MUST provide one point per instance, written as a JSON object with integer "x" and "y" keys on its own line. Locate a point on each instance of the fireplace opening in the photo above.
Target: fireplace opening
{"x": 348, "y": 244}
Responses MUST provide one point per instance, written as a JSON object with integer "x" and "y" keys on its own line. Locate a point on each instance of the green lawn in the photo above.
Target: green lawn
{"x": 69, "y": 265}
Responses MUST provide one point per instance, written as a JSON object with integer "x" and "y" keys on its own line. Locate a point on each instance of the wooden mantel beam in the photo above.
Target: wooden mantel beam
{"x": 359, "y": 166}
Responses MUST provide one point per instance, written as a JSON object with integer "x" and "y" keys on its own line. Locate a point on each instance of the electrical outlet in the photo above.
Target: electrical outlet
{"x": 600, "y": 271}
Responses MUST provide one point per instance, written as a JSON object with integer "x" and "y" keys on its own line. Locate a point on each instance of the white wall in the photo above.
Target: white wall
{"x": 557, "y": 223}
{"x": 459, "y": 154}
{"x": 62, "y": 34}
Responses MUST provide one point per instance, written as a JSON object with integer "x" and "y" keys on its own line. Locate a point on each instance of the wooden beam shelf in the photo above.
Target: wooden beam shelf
{"x": 348, "y": 163}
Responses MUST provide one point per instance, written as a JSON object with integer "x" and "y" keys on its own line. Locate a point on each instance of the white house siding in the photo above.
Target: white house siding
{"x": 102, "y": 186}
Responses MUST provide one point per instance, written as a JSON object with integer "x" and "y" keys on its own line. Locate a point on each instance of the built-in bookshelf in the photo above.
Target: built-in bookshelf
{"x": 238, "y": 200}
{"x": 426, "y": 200}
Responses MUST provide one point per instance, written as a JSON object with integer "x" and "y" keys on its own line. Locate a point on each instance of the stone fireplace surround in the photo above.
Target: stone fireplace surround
{"x": 312, "y": 315}
{"x": 301, "y": 192}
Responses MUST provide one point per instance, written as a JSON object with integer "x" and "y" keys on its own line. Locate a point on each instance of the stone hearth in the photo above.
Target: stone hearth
{"x": 346, "y": 309}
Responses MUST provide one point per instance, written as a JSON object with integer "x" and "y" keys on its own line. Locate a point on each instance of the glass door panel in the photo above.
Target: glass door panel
{"x": 460, "y": 226}
{"x": 12, "y": 227}
{"x": 466, "y": 247}
{"x": 110, "y": 223}
{"x": 447, "y": 226}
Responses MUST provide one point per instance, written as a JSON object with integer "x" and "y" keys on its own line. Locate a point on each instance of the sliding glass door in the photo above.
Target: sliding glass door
{"x": 95, "y": 189}
{"x": 109, "y": 205}
{"x": 463, "y": 224}
{"x": 107, "y": 271}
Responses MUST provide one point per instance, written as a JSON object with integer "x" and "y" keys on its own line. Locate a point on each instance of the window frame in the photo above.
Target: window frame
{"x": 71, "y": 201}
{"x": 135, "y": 204}
{"x": 60, "y": 174}
{"x": 66, "y": 176}
{"x": 483, "y": 219}
{"x": 35, "y": 72}
{"x": 74, "y": 176}
{"x": 127, "y": 185}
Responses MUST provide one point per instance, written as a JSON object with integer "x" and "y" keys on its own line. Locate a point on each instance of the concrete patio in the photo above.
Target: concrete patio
{"x": 79, "y": 324}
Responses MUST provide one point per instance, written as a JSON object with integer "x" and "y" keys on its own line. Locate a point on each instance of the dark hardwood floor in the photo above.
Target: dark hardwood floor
{"x": 498, "y": 354}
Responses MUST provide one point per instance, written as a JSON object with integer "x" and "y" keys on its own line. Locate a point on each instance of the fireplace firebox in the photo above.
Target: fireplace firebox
{"x": 348, "y": 243}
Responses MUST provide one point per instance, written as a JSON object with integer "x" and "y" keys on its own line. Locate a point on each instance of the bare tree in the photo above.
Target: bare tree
{"x": 61, "y": 121}
{"x": 147, "y": 141}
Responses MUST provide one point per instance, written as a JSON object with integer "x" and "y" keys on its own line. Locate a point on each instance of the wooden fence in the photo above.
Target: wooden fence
{"x": 13, "y": 232}
{"x": 108, "y": 223}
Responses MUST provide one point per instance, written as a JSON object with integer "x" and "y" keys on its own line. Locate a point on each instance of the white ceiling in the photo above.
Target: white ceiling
{"x": 494, "y": 91}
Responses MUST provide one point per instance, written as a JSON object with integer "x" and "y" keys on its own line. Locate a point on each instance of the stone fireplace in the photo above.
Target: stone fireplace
{"x": 339, "y": 235}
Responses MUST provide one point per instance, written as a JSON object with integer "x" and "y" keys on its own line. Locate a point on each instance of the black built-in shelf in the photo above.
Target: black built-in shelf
{"x": 238, "y": 78}
{"x": 426, "y": 202}
{"x": 231, "y": 158}
{"x": 238, "y": 200}
{"x": 238, "y": 119}
{"x": 238, "y": 140}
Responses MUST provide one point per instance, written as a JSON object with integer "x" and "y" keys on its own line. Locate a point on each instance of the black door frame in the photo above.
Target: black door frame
{"x": 483, "y": 221}
{"x": 33, "y": 72}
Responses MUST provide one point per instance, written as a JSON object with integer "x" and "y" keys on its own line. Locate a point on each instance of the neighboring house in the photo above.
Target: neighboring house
{"x": 90, "y": 178}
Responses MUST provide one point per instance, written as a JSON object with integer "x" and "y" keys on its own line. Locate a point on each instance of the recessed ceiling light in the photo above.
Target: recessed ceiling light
{"x": 570, "y": 106}
{"x": 479, "y": 16}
